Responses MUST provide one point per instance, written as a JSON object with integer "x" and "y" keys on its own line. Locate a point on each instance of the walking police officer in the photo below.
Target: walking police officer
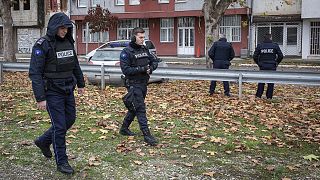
{"x": 267, "y": 56}
{"x": 137, "y": 63}
{"x": 55, "y": 71}
{"x": 221, "y": 54}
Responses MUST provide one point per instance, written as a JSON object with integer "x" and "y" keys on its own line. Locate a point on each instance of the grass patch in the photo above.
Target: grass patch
{"x": 236, "y": 139}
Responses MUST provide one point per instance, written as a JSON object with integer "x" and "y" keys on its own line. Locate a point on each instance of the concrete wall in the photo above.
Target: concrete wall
{"x": 276, "y": 7}
{"x": 26, "y": 37}
{"x": 310, "y": 9}
{"x": 75, "y": 10}
{"x": 306, "y": 39}
{"x": 26, "y": 17}
{"x": 189, "y": 5}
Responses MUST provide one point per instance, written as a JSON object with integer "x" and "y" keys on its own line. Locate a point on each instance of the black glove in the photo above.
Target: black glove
{"x": 142, "y": 69}
{"x": 150, "y": 69}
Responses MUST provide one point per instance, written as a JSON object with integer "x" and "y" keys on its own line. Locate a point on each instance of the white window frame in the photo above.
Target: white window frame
{"x": 167, "y": 29}
{"x": 163, "y": 1}
{"x": 134, "y": 2}
{"x": 232, "y": 31}
{"x": 127, "y": 25}
{"x": 95, "y": 4}
{"x": 85, "y": 2}
{"x": 118, "y": 3}
{"x": 181, "y": 1}
{"x": 91, "y": 36}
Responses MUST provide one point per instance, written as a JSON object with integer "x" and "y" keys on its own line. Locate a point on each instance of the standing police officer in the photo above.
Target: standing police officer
{"x": 137, "y": 63}
{"x": 221, "y": 54}
{"x": 267, "y": 56}
{"x": 54, "y": 71}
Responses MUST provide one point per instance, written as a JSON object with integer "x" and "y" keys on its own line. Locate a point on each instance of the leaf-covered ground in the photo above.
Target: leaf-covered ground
{"x": 201, "y": 137}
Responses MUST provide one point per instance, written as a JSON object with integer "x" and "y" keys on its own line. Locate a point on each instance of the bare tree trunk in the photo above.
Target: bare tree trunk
{"x": 8, "y": 43}
{"x": 213, "y": 11}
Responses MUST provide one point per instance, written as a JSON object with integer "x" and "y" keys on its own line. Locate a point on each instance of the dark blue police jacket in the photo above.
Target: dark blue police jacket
{"x": 221, "y": 53}
{"x": 44, "y": 49}
{"x": 267, "y": 55}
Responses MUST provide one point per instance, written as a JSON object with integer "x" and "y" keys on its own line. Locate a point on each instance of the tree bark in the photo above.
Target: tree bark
{"x": 8, "y": 43}
{"x": 213, "y": 11}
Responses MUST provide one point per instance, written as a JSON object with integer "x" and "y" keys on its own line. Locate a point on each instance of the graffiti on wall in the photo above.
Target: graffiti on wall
{"x": 26, "y": 39}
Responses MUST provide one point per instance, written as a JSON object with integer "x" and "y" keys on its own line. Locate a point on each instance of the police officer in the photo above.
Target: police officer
{"x": 55, "y": 71}
{"x": 221, "y": 54}
{"x": 267, "y": 56}
{"x": 137, "y": 63}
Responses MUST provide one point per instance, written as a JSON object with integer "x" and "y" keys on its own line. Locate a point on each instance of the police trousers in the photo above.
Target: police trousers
{"x": 270, "y": 87}
{"x": 62, "y": 112}
{"x": 140, "y": 92}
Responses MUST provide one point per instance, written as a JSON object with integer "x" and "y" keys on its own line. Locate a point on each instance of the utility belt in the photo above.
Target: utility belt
{"x": 64, "y": 86}
{"x": 138, "y": 81}
{"x": 58, "y": 75}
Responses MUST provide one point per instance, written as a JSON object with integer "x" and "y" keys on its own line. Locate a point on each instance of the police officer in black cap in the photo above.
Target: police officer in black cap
{"x": 221, "y": 53}
{"x": 137, "y": 63}
{"x": 55, "y": 71}
{"x": 267, "y": 56}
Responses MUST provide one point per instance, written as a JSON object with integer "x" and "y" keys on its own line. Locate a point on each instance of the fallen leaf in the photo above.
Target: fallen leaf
{"x": 137, "y": 162}
{"x": 311, "y": 157}
{"x": 209, "y": 174}
{"x": 211, "y": 153}
{"x": 102, "y": 137}
{"x": 188, "y": 164}
{"x": 103, "y": 131}
{"x": 270, "y": 167}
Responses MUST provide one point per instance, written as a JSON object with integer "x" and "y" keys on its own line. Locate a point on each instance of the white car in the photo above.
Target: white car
{"x": 111, "y": 57}
{"x": 121, "y": 43}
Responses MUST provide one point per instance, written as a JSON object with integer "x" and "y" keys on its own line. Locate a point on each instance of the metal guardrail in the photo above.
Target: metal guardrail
{"x": 240, "y": 76}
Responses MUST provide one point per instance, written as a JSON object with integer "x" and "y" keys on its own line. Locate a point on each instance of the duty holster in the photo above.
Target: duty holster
{"x": 129, "y": 99}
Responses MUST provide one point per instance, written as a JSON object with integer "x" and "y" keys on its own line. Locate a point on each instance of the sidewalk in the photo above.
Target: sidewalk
{"x": 293, "y": 61}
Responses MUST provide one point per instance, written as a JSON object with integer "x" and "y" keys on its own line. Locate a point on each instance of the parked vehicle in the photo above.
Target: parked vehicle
{"x": 121, "y": 43}
{"x": 111, "y": 57}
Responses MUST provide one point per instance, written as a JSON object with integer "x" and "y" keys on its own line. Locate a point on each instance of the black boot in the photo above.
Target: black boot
{"x": 45, "y": 149}
{"x": 148, "y": 138}
{"x": 65, "y": 168}
{"x": 124, "y": 130}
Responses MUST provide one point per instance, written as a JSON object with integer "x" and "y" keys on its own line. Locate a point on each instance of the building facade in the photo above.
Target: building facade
{"x": 28, "y": 20}
{"x": 176, "y": 27}
{"x": 311, "y": 29}
{"x": 280, "y": 18}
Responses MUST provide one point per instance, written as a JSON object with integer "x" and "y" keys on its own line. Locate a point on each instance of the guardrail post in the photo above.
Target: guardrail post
{"x": 102, "y": 77}
{"x": 1, "y": 73}
{"x": 240, "y": 85}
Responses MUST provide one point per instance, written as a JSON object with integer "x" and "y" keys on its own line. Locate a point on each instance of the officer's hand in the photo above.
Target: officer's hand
{"x": 42, "y": 105}
{"x": 81, "y": 91}
{"x": 150, "y": 69}
{"x": 142, "y": 68}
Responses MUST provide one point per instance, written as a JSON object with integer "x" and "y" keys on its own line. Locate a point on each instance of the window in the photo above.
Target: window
{"x": 166, "y": 30}
{"x": 82, "y": 3}
{"x": 26, "y": 5}
{"x": 134, "y": 2}
{"x": 277, "y": 35}
{"x": 119, "y": 2}
{"x": 125, "y": 27}
{"x": 262, "y": 31}
{"x": 95, "y": 37}
{"x": 163, "y": 1}
{"x": 16, "y": 5}
{"x": 315, "y": 38}
{"x": 230, "y": 26}
{"x": 95, "y": 2}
